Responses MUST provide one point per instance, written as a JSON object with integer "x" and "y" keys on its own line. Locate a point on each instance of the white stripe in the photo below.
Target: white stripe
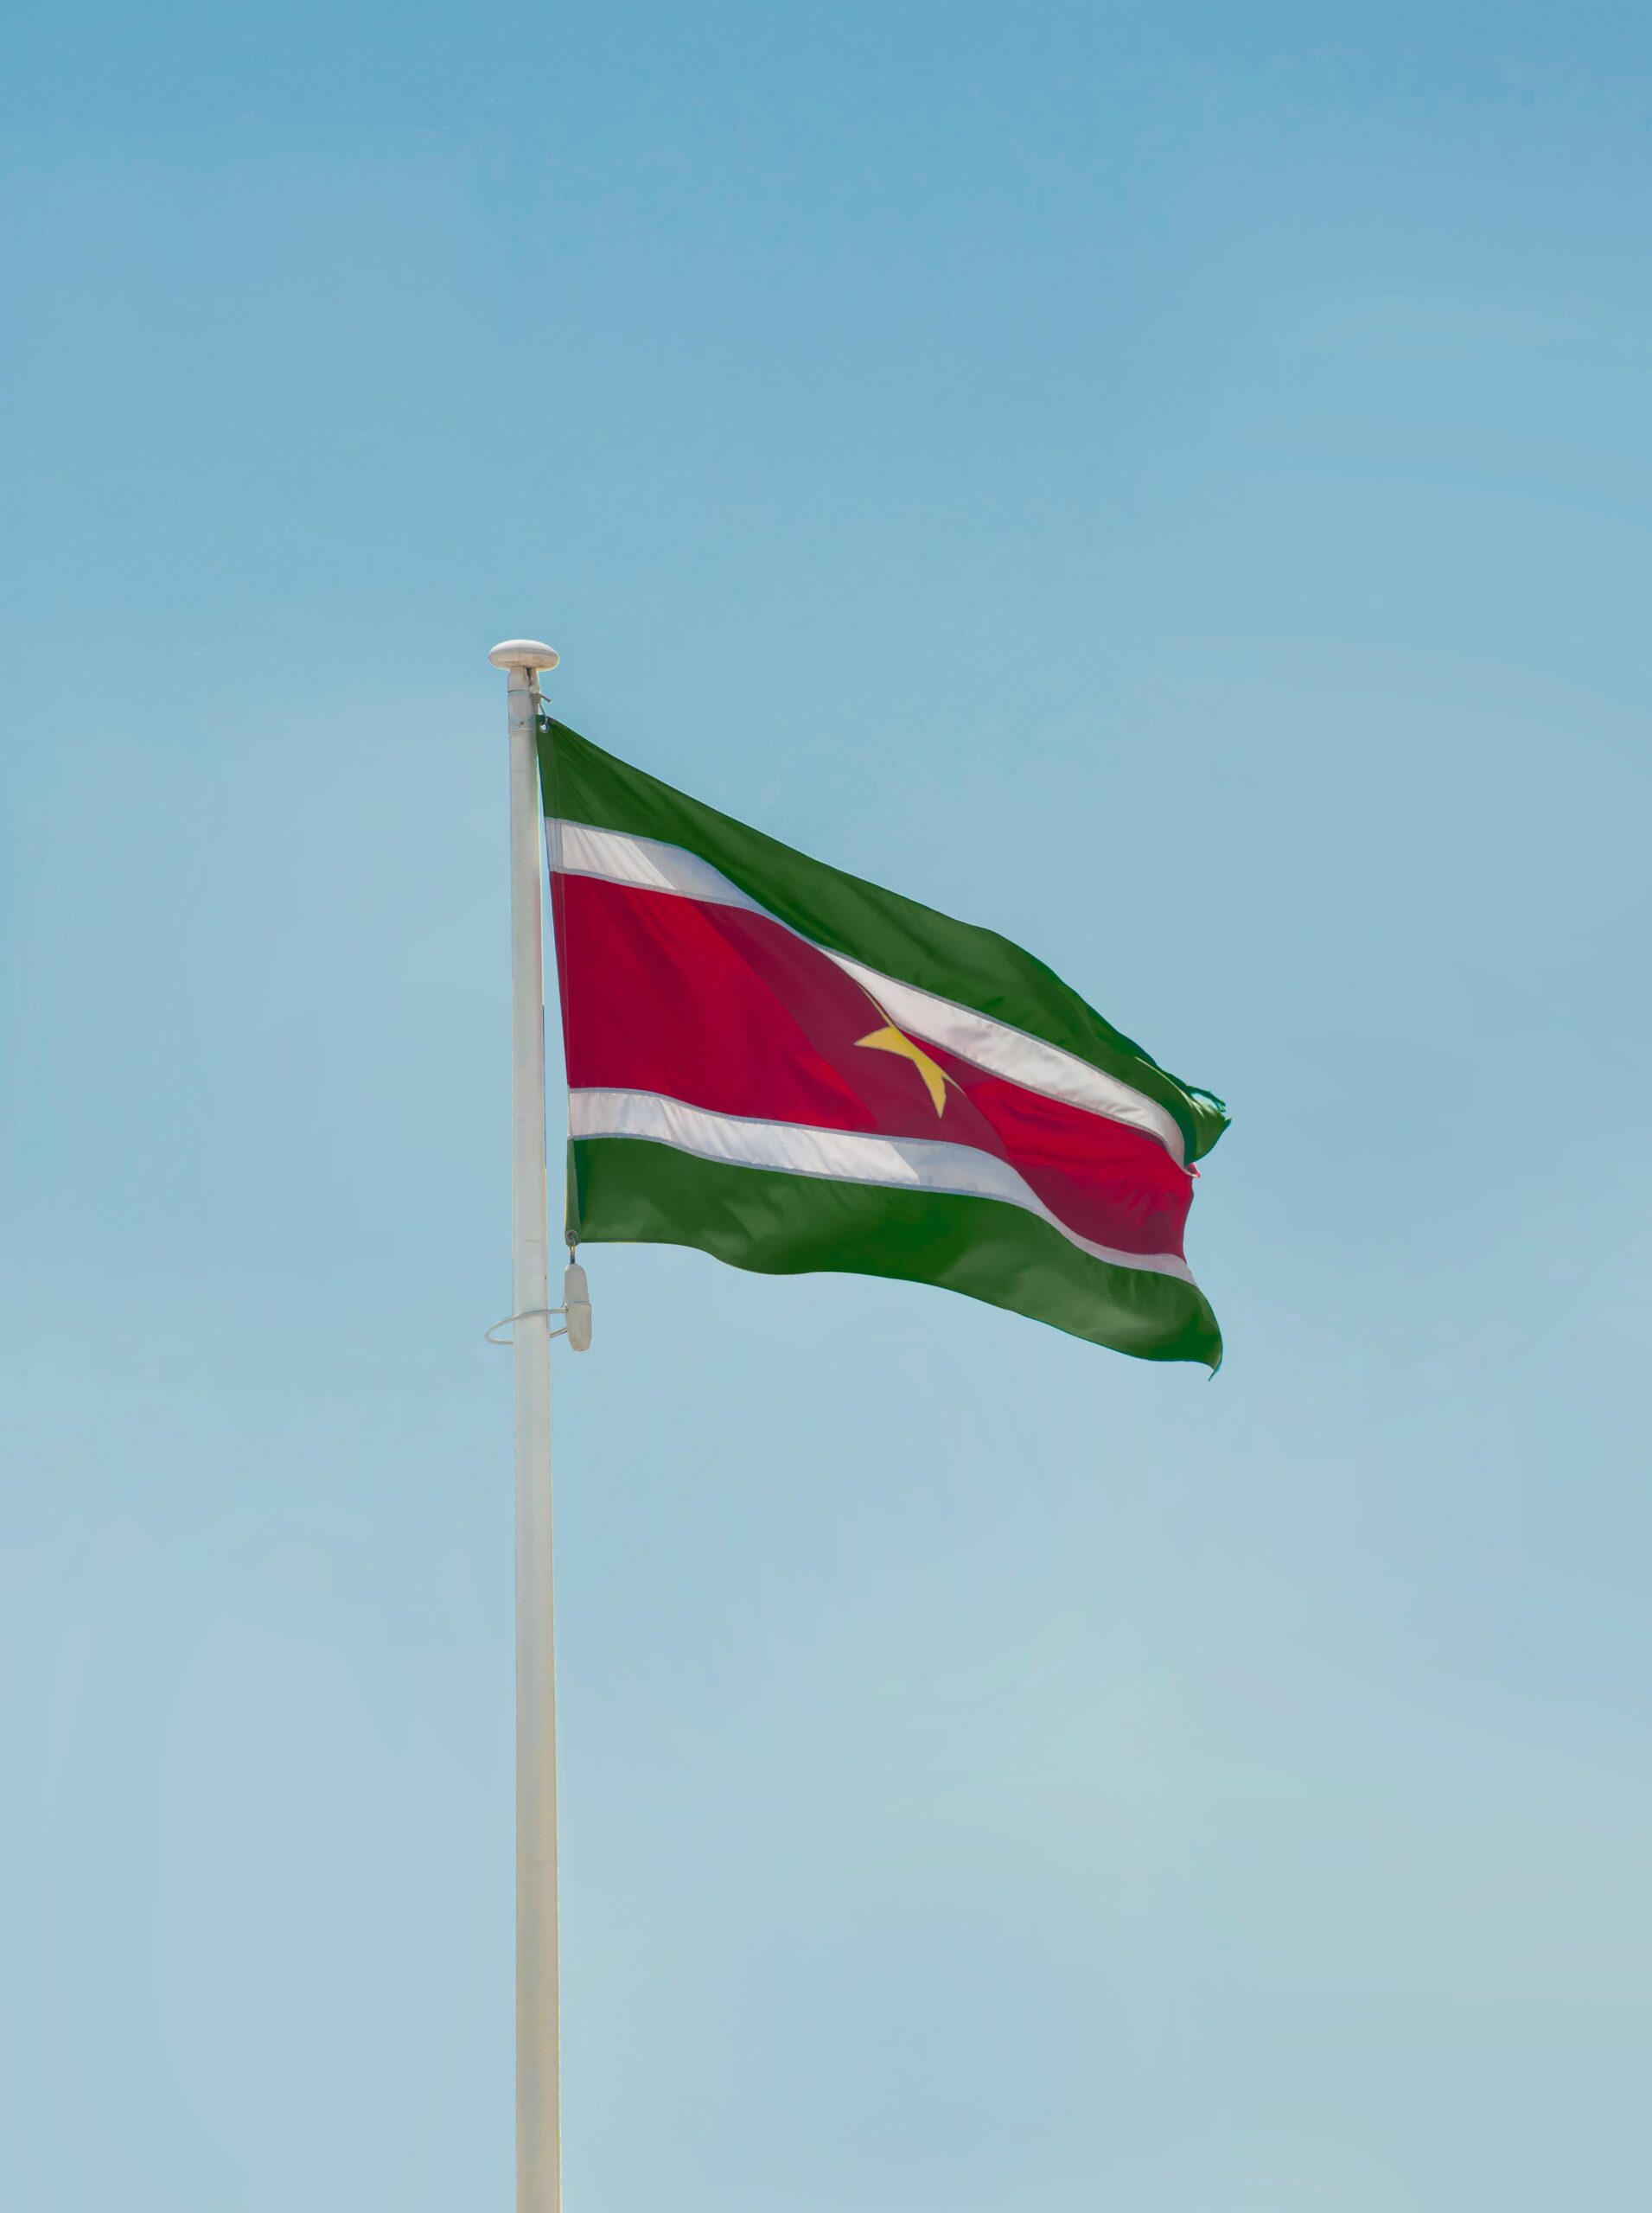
{"x": 996, "y": 1047}
{"x": 838, "y": 1155}
{"x": 645, "y": 862}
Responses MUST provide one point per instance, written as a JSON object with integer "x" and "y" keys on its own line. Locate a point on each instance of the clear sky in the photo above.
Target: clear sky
{"x": 1170, "y": 482}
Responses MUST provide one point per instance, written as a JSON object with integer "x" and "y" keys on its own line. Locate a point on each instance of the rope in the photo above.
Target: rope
{"x": 527, "y": 1315}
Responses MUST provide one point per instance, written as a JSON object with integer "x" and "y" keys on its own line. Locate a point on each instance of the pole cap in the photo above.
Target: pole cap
{"x": 523, "y": 653}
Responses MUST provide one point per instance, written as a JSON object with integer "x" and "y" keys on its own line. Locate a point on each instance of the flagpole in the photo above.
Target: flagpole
{"x": 539, "y": 2131}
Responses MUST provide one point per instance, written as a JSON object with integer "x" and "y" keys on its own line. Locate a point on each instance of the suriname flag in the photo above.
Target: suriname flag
{"x": 787, "y": 1068}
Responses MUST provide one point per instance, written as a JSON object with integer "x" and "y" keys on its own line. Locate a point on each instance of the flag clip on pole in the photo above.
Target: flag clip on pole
{"x": 539, "y": 2131}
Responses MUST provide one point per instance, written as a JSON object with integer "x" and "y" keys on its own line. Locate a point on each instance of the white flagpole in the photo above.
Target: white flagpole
{"x": 539, "y": 2129}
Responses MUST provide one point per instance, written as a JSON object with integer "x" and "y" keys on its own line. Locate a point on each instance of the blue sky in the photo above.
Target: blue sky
{"x": 1169, "y": 483}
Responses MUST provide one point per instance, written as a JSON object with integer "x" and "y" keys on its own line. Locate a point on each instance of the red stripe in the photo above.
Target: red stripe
{"x": 729, "y": 1010}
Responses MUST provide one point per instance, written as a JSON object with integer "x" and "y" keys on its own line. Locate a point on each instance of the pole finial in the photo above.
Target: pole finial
{"x": 523, "y": 653}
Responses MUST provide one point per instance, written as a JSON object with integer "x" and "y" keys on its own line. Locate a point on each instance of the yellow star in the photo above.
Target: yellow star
{"x": 891, "y": 1040}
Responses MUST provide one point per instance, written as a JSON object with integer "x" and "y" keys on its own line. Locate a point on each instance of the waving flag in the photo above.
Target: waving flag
{"x": 786, "y": 1067}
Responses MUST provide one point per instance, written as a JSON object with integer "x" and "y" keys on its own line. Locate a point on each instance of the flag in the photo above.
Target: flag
{"x": 787, "y": 1067}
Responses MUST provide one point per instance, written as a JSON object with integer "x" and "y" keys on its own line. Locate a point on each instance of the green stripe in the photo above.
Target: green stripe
{"x": 975, "y": 967}
{"x": 629, "y": 1191}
